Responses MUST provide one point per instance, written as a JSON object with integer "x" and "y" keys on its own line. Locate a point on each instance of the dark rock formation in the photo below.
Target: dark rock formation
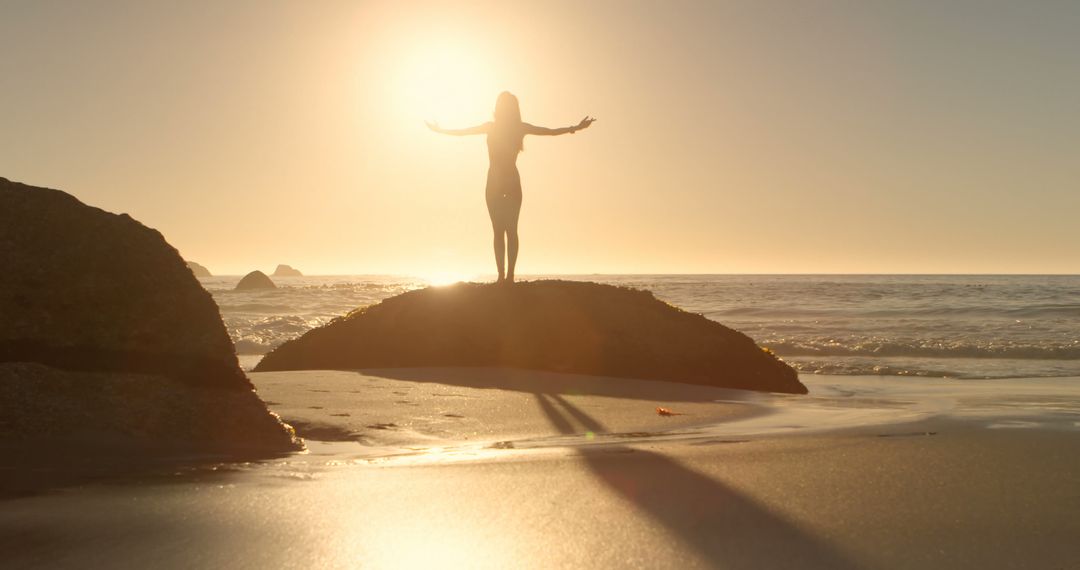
{"x": 255, "y": 280}
{"x": 198, "y": 270}
{"x": 287, "y": 271}
{"x": 561, "y": 326}
{"x": 125, "y": 409}
{"x": 97, "y": 300}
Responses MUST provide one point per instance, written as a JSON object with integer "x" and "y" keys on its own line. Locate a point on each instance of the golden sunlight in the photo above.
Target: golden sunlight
{"x": 440, "y": 278}
{"x": 446, "y": 82}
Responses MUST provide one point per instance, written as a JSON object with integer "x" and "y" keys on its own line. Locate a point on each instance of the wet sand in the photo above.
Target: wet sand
{"x": 440, "y": 468}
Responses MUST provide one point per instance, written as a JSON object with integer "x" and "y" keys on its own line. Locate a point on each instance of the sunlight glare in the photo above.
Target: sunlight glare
{"x": 448, "y": 83}
{"x": 441, "y": 278}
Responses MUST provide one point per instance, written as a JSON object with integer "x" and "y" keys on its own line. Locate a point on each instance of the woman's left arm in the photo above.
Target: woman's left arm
{"x": 544, "y": 131}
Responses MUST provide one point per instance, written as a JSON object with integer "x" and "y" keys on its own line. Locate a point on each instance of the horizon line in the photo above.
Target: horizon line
{"x": 688, "y": 274}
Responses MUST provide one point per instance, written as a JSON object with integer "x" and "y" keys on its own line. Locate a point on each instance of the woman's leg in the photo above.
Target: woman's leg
{"x": 511, "y": 253}
{"x": 500, "y": 249}
{"x": 499, "y": 229}
{"x": 513, "y": 209}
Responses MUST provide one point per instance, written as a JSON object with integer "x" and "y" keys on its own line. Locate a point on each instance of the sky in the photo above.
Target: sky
{"x": 731, "y": 137}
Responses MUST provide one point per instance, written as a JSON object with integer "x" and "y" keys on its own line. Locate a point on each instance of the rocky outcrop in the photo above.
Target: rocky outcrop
{"x": 95, "y": 303}
{"x": 150, "y": 412}
{"x": 255, "y": 280}
{"x": 198, "y": 270}
{"x": 287, "y": 271}
{"x": 561, "y": 326}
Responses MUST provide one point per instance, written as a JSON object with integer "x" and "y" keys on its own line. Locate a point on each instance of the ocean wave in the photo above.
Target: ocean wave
{"x": 255, "y": 308}
{"x": 996, "y": 349}
{"x": 262, "y": 334}
{"x": 869, "y": 369}
{"x": 959, "y": 369}
{"x": 1043, "y": 311}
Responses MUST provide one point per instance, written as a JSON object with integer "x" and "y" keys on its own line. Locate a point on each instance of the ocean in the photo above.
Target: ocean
{"x": 942, "y": 326}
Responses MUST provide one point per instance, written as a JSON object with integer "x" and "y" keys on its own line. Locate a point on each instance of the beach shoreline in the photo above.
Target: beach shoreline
{"x": 449, "y": 406}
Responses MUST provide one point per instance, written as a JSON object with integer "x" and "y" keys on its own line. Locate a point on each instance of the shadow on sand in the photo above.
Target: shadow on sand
{"x": 536, "y": 381}
{"x": 725, "y": 526}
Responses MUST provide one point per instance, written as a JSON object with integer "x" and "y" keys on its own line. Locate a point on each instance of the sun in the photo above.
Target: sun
{"x": 450, "y": 83}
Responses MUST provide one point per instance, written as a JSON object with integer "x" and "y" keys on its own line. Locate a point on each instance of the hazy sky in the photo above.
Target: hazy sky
{"x": 757, "y": 136}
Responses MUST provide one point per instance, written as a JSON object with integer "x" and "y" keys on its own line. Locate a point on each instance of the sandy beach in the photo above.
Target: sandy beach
{"x": 442, "y": 468}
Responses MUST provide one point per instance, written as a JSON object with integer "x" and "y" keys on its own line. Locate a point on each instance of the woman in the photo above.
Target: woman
{"x": 505, "y": 139}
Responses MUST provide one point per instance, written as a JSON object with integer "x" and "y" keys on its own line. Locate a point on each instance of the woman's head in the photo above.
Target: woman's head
{"x": 506, "y": 108}
{"x": 508, "y": 122}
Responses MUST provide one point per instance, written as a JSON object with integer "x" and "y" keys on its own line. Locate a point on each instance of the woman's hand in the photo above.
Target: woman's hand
{"x": 584, "y": 124}
{"x": 433, "y": 125}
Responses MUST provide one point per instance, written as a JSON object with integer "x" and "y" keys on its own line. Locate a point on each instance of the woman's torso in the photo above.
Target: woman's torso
{"x": 504, "y": 144}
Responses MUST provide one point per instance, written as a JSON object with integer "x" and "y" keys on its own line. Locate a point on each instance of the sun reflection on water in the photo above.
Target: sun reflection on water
{"x": 442, "y": 278}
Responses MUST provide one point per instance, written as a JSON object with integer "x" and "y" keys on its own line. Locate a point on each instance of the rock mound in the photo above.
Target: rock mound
{"x": 97, "y": 300}
{"x": 287, "y": 271}
{"x": 198, "y": 270}
{"x": 255, "y": 280}
{"x": 561, "y": 326}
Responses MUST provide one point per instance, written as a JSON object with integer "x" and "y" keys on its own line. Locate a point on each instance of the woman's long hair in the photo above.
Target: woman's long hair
{"x": 508, "y": 118}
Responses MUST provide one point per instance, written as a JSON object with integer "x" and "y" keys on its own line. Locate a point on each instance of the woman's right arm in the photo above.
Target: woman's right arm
{"x": 477, "y": 130}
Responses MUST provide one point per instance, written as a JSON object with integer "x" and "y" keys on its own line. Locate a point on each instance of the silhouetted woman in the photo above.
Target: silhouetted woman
{"x": 505, "y": 139}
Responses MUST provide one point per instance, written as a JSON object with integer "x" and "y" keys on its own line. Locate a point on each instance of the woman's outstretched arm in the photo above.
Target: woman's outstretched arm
{"x": 477, "y": 130}
{"x": 535, "y": 130}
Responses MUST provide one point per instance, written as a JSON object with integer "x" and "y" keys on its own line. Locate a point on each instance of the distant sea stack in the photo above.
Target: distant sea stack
{"x": 198, "y": 270}
{"x": 287, "y": 271}
{"x": 560, "y": 326}
{"x": 107, "y": 337}
{"x": 255, "y": 280}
